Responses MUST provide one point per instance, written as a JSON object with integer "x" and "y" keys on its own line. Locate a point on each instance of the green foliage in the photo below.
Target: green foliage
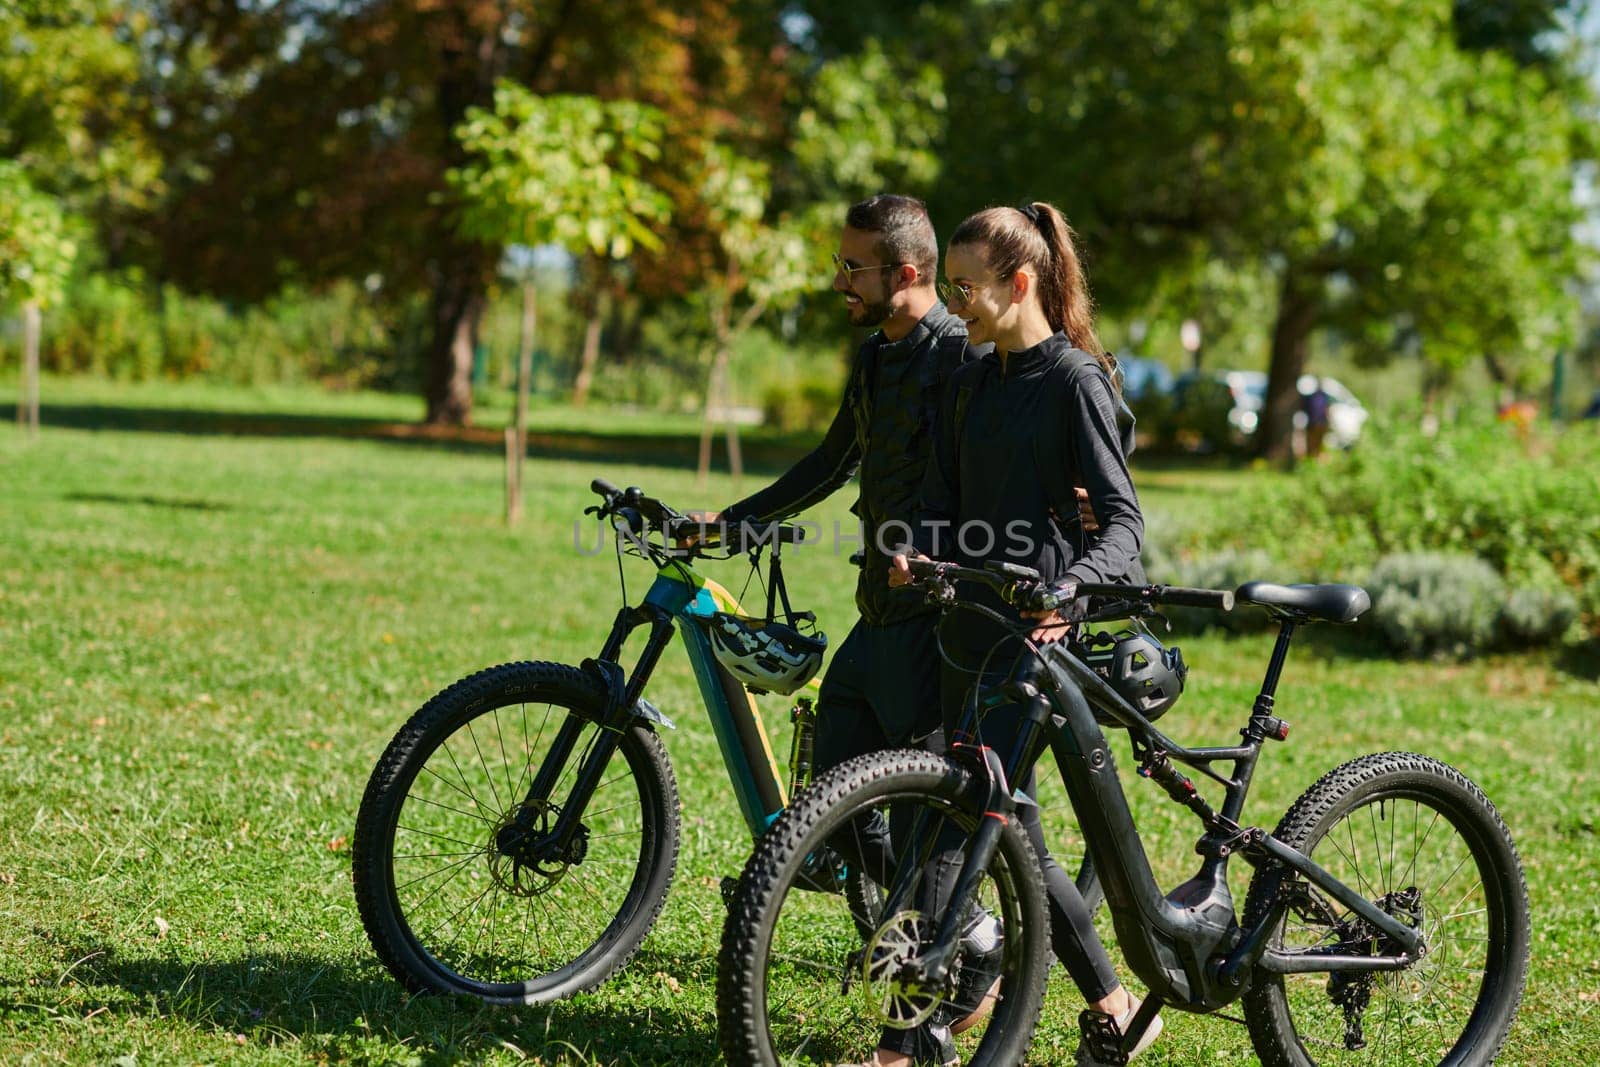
{"x": 118, "y": 327}
{"x": 1444, "y": 605}
{"x": 1524, "y": 505}
{"x": 807, "y": 405}
{"x": 1220, "y": 570}
{"x": 768, "y": 260}
{"x": 69, "y": 111}
{"x": 36, "y": 247}
{"x": 1536, "y": 616}
{"x": 562, "y": 169}
{"x": 1324, "y": 163}
{"x": 871, "y": 123}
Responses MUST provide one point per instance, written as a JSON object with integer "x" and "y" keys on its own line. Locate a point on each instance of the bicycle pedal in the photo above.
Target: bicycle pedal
{"x": 730, "y": 889}
{"x": 1103, "y": 1037}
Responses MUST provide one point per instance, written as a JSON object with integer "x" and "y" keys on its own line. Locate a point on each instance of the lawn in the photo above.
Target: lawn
{"x": 209, "y": 638}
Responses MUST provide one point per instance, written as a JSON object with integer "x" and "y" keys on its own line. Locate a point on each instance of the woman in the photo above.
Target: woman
{"x": 1017, "y": 428}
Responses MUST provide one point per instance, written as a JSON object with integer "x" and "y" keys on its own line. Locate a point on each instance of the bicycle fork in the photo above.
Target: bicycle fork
{"x": 529, "y": 837}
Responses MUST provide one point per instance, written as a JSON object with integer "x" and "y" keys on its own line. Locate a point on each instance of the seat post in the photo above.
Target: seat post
{"x": 1280, "y": 653}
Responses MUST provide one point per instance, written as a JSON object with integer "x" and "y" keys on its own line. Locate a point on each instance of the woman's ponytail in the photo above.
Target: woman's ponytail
{"x": 1037, "y": 234}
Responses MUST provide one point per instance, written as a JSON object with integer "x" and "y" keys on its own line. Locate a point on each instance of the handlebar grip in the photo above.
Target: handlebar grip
{"x": 791, "y": 535}
{"x": 604, "y": 488}
{"x": 1218, "y": 599}
{"x": 1012, "y": 570}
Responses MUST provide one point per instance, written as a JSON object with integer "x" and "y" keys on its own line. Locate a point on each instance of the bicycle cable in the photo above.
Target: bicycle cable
{"x": 622, "y": 576}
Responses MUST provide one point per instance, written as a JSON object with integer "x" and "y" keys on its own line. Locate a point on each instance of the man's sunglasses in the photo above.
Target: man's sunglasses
{"x": 844, "y": 268}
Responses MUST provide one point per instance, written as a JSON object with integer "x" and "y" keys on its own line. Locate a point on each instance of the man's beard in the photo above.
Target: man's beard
{"x": 870, "y": 314}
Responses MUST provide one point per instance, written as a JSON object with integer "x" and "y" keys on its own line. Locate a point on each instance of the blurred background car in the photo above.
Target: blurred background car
{"x": 1220, "y": 410}
{"x": 1147, "y": 387}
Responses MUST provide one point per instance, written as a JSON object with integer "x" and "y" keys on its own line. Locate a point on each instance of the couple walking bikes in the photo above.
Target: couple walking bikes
{"x": 989, "y": 428}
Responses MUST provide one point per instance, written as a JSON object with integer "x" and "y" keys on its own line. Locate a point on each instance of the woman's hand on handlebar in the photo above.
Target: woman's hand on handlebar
{"x": 1052, "y": 624}
{"x": 899, "y": 570}
{"x": 1048, "y": 626}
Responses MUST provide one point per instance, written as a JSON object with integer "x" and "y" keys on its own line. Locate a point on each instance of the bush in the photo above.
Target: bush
{"x": 807, "y": 405}
{"x": 1524, "y": 505}
{"x": 1444, "y": 605}
{"x": 1537, "y": 616}
{"x": 117, "y": 326}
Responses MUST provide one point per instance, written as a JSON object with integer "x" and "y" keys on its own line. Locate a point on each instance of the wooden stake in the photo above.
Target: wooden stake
{"x": 28, "y": 397}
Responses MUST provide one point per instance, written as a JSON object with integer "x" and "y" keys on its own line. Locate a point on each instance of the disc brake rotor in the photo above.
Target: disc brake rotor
{"x": 527, "y": 876}
{"x": 895, "y": 999}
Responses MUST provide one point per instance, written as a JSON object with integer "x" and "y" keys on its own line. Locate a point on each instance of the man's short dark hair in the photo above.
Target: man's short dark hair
{"x": 905, "y": 233}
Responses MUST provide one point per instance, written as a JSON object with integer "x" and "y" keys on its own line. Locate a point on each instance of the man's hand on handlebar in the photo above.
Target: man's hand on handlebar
{"x": 707, "y": 528}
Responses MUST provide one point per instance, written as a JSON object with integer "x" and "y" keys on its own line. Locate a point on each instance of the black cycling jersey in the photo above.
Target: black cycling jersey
{"x": 884, "y": 427}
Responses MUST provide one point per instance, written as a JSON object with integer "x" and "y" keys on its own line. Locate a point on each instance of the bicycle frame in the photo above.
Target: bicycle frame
{"x": 678, "y": 598}
{"x": 1186, "y": 945}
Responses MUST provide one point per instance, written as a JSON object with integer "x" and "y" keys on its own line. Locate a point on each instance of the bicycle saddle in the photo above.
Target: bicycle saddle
{"x": 1334, "y": 603}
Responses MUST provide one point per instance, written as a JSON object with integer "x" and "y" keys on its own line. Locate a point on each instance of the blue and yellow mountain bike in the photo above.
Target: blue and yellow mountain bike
{"x": 518, "y": 836}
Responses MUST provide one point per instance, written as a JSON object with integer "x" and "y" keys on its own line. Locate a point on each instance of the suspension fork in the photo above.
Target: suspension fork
{"x": 621, "y": 693}
{"x": 1000, "y": 805}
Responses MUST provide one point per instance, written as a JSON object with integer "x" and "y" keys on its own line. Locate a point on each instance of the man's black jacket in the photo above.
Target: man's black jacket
{"x": 884, "y": 426}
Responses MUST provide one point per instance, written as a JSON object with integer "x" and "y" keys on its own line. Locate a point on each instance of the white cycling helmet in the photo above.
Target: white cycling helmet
{"x": 767, "y": 656}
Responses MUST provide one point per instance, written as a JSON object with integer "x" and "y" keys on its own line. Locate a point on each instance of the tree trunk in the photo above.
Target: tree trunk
{"x": 459, "y": 298}
{"x": 517, "y": 432}
{"x": 28, "y": 395}
{"x": 1291, "y": 338}
{"x": 471, "y": 57}
{"x": 590, "y": 357}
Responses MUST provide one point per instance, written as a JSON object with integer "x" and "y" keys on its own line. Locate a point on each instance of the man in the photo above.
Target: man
{"x": 881, "y": 689}
{"x": 882, "y": 686}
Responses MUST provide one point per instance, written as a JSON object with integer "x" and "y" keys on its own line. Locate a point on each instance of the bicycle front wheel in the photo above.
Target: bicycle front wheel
{"x": 798, "y": 983}
{"x": 447, "y": 907}
{"x": 1420, "y": 840}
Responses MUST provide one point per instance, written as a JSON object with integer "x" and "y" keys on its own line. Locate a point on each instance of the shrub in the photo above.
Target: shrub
{"x": 1537, "y": 616}
{"x": 1445, "y": 605}
{"x": 809, "y": 404}
{"x": 1522, "y": 504}
{"x": 118, "y": 326}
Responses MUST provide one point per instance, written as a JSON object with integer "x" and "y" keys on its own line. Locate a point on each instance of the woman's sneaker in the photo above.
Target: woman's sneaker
{"x": 983, "y": 952}
{"x": 1119, "y": 1025}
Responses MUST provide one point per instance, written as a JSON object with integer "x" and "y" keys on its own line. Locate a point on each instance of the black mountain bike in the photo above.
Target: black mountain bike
{"x": 1386, "y": 920}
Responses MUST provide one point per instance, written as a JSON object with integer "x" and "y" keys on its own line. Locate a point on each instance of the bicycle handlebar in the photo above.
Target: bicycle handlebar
{"x": 1022, "y": 585}
{"x": 643, "y": 512}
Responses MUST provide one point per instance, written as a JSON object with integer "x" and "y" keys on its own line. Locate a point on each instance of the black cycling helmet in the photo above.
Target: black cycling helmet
{"x": 1142, "y": 671}
{"x": 767, "y": 656}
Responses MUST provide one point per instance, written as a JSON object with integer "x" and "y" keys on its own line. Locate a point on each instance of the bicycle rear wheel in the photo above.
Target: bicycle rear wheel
{"x": 1415, "y": 836}
{"x": 798, "y": 983}
{"x": 446, "y": 909}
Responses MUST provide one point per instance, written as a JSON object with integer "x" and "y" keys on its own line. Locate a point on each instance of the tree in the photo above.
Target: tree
{"x": 1386, "y": 180}
{"x": 309, "y": 140}
{"x": 66, "y": 148}
{"x": 36, "y": 253}
{"x": 557, "y": 170}
{"x": 763, "y": 265}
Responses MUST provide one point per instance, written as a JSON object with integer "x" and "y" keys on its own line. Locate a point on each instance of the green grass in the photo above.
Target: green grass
{"x": 208, "y": 639}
